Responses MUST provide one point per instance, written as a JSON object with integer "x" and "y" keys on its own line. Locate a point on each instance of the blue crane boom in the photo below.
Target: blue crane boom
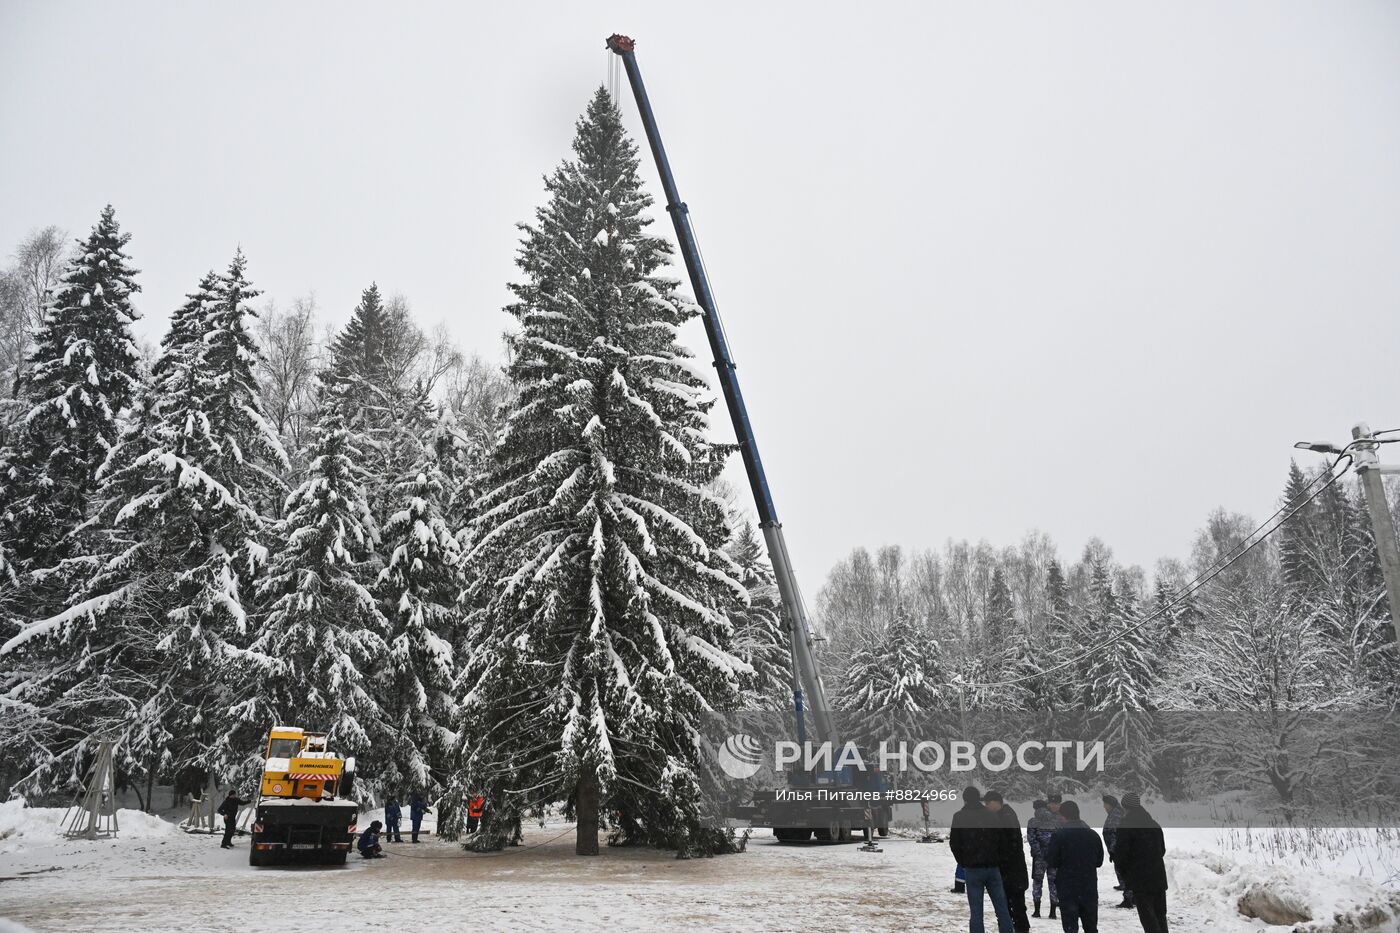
{"x": 809, "y": 693}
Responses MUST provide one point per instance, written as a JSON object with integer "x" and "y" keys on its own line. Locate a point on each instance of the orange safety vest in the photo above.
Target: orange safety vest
{"x": 475, "y": 806}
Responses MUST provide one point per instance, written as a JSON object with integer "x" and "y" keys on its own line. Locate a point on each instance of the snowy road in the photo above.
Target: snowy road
{"x": 188, "y": 883}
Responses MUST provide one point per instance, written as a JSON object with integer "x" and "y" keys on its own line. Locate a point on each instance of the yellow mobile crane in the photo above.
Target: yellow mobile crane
{"x": 303, "y": 808}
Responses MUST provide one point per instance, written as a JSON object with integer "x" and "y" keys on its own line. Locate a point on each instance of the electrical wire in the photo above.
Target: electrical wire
{"x": 1243, "y": 548}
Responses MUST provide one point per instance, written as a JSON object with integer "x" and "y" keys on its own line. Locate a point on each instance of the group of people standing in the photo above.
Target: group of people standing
{"x": 393, "y": 815}
{"x": 1065, "y": 852}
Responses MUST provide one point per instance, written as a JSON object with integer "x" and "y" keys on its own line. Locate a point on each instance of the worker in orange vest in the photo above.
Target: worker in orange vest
{"x": 476, "y": 806}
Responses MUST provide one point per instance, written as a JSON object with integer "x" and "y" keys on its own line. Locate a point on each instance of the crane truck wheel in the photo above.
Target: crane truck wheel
{"x": 883, "y": 831}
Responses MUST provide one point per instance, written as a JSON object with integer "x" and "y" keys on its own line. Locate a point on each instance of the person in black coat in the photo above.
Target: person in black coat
{"x": 1014, "y": 877}
{"x": 1141, "y": 856}
{"x": 229, "y": 811}
{"x": 1076, "y": 853}
{"x": 978, "y": 843}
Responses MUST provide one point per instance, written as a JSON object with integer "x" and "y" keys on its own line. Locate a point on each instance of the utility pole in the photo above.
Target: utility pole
{"x": 1372, "y": 473}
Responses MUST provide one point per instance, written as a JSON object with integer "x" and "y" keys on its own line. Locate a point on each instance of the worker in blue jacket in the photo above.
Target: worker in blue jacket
{"x": 369, "y": 841}
{"x": 417, "y": 806}
{"x": 1076, "y": 852}
{"x": 392, "y": 814}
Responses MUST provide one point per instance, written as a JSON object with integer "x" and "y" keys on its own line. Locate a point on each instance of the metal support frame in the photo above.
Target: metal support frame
{"x": 93, "y": 814}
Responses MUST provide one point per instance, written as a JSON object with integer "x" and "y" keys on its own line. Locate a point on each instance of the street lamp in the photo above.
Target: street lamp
{"x": 1362, "y": 451}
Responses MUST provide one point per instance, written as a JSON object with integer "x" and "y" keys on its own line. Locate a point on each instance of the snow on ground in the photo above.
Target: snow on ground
{"x": 21, "y": 825}
{"x": 158, "y": 879}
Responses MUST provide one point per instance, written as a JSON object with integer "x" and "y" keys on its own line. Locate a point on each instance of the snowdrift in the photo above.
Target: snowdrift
{"x": 20, "y": 823}
{"x": 1304, "y": 900}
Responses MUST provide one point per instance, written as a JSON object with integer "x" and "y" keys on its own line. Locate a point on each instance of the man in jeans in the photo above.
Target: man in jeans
{"x": 976, "y": 838}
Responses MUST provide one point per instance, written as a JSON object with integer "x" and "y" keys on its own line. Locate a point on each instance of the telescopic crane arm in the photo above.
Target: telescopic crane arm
{"x": 809, "y": 694}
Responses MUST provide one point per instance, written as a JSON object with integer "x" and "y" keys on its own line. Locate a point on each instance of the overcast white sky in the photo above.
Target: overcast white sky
{"x": 986, "y": 267}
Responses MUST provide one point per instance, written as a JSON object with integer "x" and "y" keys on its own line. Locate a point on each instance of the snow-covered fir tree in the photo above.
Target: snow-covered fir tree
{"x": 600, "y": 628}
{"x": 162, "y": 618}
{"x": 418, "y": 590}
{"x": 760, "y": 635}
{"x": 1120, "y": 687}
{"x": 898, "y": 672}
{"x": 321, "y": 626}
{"x": 369, "y": 386}
{"x": 83, "y": 373}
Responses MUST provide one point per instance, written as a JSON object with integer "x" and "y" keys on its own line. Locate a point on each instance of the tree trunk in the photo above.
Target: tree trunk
{"x": 586, "y": 806}
{"x": 150, "y": 802}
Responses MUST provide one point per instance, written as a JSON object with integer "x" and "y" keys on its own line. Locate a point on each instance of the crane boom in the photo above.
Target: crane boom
{"x": 807, "y": 679}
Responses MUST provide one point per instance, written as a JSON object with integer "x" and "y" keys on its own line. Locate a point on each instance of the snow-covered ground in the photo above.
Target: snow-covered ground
{"x": 156, "y": 877}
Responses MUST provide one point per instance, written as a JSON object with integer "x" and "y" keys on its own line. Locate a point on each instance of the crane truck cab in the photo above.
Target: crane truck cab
{"x": 303, "y": 808}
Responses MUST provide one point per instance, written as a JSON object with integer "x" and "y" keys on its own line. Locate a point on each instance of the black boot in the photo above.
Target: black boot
{"x": 959, "y": 887}
{"x": 1037, "y": 909}
{"x": 1053, "y": 905}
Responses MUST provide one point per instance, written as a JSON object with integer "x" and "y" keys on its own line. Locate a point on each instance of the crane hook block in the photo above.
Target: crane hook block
{"x": 620, "y": 43}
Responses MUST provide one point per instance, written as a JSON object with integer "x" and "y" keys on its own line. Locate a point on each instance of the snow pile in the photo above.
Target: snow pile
{"x": 20, "y": 824}
{"x": 1307, "y": 901}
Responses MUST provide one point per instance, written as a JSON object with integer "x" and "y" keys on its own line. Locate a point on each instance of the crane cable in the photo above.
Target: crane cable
{"x": 1201, "y": 580}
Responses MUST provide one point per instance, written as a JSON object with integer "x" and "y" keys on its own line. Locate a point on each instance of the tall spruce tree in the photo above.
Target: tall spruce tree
{"x": 600, "y": 634}
{"x": 418, "y": 590}
{"x": 369, "y": 386}
{"x": 321, "y": 626}
{"x": 162, "y": 620}
{"x": 760, "y": 637}
{"x": 84, "y": 372}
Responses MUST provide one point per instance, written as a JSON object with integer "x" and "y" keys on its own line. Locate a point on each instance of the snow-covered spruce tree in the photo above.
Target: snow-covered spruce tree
{"x": 1120, "y": 686}
{"x": 418, "y": 590}
{"x": 320, "y": 625}
{"x": 369, "y": 386}
{"x": 84, "y": 372}
{"x": 760, "y": 636}
{"x": 893, "y": 674}
{"x": 161, "y": 619}
{"x": 600, "y": 630}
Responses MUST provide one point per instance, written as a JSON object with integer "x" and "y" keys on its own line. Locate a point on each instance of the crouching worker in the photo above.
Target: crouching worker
{"x": 369, "y": 841}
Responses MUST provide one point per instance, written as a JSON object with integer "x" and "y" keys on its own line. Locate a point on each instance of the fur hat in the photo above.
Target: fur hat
{"x": 1055, "y": 798}
{"x": 1132, "y": 800}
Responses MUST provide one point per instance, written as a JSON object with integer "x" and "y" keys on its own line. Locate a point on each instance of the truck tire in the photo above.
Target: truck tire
{"x": 334, "y": 858}
{"x": 883, "y": 831}
{"x": 256, "y": 857}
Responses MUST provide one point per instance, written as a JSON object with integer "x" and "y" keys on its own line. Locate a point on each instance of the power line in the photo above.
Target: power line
{"x": 1243, "y": 548}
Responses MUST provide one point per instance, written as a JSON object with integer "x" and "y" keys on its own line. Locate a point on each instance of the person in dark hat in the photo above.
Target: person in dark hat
{"x": 1141, "y": 856}
{"x": 1040, "y": 829}
{"x": 1076, "y": 853}
{"x": 1014, "y": 877}
{"x": 975, "y": 839}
